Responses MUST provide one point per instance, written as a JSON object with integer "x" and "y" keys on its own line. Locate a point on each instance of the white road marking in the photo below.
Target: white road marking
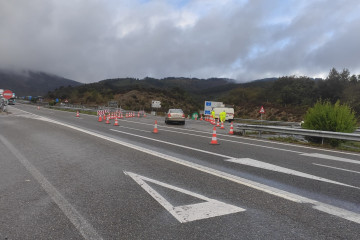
{"x": 173, "y": 144}
{"x": 248, "y": 139}
{"x": 336, "y": 168}
{"x": 330, "y": 209}
{"x": 80, "y": 223}
{"x": 226, "y": 140}
{"x": 272, "y": 167}
{"x": 328, "y": 157}
{"x": 238, "y": 138}
{"x": 186, "y": 213}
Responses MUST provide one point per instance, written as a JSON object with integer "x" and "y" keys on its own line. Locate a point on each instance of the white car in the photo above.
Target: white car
{"x": 175, "y": 115}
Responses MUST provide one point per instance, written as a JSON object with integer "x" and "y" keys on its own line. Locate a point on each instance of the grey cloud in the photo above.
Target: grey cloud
{"x": 93, "y": 40}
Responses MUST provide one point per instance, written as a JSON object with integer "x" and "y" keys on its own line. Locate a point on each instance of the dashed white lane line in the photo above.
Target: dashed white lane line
{"x": 272, "y": 167}
{"x": 332, "y": 158}
{"x": 226, "y": 140}
{"x": 244, "y": 161}
{"x": 237, "y": 138}
{"x": 342, "y": 169}
{"x": 248, "y": 139}
{"x": 330, "y": 209}
{"x": 315, "y": 155}
{"x": 173, "y": 144}
{"x": 80, "y": 223}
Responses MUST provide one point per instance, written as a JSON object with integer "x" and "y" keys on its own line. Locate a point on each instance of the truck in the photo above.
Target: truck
{"x": 218, "y": 107}
{"x": 229, "y": 113}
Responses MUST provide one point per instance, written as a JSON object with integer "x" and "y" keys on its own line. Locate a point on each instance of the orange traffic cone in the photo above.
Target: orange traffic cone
{"x": 38, "y": 108}
{"x": 116, "y": 122}
{"x": 213, "y": 139}
{"x": 144, "y": 114}
{"x": 155, "y": 127}
{"x": 218, "y": 125}
{"x": 201, "y": 118}
{"x": 222, "y": 125}
{"x": 138, "y": 114}
{"x": 108, "y": 120}
{"x": 77, "y": 114}
{"x": 100, "y": 118}
{"x": 231, "y": 129}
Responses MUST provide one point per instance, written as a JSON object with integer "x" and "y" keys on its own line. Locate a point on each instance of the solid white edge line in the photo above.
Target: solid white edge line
{"x": 339, "y": 212}
{"x": 79, "y": 222}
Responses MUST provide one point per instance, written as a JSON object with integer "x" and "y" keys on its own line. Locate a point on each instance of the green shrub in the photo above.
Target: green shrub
{"x": 327, "y": 117}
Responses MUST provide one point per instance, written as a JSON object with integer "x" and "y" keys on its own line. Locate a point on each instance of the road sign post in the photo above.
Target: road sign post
{"x": 7, "y": 94}
{"x": 261, "y": 111}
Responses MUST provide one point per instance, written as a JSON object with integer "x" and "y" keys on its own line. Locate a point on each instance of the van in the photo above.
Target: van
{"x": 229, "y": 113}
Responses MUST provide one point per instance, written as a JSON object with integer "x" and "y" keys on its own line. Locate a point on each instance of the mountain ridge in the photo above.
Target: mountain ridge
{"x": 32, "y": 83}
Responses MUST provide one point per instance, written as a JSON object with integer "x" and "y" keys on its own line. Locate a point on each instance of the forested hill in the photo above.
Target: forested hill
{"x": 286, "y": 98}
{"x": 32, "y": 83}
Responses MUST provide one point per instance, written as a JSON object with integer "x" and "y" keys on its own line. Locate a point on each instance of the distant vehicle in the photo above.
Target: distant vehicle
{"x": 229, "y": 113}
{"x": 11, "y": 101}
{"x": 175, "y": 115}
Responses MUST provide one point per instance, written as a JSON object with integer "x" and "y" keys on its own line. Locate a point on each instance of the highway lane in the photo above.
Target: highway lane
{"x": 98, "y": 177}
{"x": 198, "y": 136}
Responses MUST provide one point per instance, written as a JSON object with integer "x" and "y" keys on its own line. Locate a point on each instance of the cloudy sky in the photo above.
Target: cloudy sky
{"x": 92, "y": 40}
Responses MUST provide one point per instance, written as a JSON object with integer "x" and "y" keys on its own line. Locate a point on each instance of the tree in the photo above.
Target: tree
{"x": 333, "y": 86}
{"x": 327, "y": 117}
{"x": 345, "y": 75}
{"x": 353, "y": 79}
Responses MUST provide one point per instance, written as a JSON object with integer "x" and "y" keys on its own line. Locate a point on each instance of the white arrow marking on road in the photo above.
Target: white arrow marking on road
{"x": 328, "y": 157}
{"x": 186, "y": 213}
{"x": 272, "y": 167}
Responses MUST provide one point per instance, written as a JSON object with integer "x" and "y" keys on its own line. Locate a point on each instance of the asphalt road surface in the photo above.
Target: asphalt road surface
{"x": 67, "y": 177}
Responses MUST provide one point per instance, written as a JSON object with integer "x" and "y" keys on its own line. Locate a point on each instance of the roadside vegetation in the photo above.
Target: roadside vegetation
{"x": 285, "y": 98}
{"x": 330, "y": 104}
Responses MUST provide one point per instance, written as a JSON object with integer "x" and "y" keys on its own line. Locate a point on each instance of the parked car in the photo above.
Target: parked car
{"x": 175, "y": 115}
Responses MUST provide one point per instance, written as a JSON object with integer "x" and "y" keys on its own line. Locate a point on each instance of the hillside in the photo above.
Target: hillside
{"x": 31, "y": 83}
{"x": 286, "y": 98}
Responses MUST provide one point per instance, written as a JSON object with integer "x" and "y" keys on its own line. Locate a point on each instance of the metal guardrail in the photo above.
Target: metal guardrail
{"x": 297, "y": 131}
{"x": 266, "y": 122}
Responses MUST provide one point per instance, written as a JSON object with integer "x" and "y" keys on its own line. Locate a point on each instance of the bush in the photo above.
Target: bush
{"x": 327, "y": 117}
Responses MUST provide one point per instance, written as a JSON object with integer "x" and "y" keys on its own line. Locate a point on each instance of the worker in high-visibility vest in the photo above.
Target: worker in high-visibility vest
{"x": 213, "y": 114}
{"x": 222, "y": 116}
